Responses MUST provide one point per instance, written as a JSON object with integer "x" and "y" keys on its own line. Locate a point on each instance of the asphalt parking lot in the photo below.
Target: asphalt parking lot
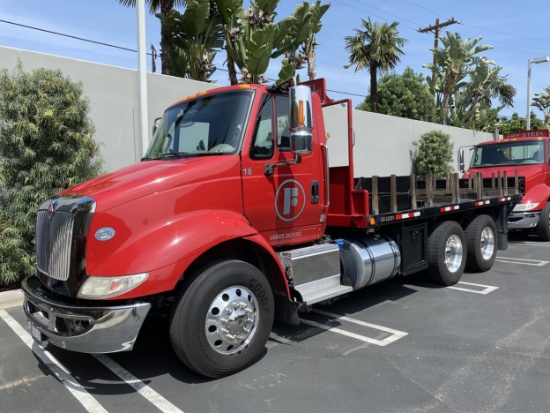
{"x": 482, "y": 345}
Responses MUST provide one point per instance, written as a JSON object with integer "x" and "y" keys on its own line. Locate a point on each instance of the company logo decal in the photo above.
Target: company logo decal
{"x": 290, "y": 200}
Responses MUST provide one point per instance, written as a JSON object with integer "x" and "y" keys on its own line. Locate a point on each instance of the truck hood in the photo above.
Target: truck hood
{"x": 148, "y": 177}
{"x": 533, "y": 174}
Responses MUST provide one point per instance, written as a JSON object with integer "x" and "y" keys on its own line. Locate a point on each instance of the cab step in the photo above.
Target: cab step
{"x": 321, "y": 290}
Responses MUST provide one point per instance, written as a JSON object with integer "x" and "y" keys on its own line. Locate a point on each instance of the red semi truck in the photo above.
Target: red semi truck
{"x": 233, "y": 219}
{"x": 527, "y": 153}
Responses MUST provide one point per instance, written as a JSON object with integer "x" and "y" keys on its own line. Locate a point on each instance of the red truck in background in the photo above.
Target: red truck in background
{"x": 526, "y": 152}
{"x": 234, "y": 218}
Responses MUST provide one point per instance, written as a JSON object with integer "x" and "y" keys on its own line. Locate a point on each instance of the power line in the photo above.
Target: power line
{"x": 419, "y": 5}
{"x": 507, "y": 34}
{"x": 71, "y": 36}
{"x": 383, "y": 11}
{"x": 371, "y": 14}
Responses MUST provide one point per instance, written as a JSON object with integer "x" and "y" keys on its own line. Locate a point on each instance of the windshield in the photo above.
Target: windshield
{"x": 212, "y": 125}
{"x": 508, "y": 153}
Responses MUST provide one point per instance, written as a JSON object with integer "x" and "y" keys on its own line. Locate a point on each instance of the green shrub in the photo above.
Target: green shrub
{"x": 46, "y": 145}
{"x": 433, "y": 154}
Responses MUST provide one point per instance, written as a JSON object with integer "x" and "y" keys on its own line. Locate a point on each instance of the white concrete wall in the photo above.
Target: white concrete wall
{"x": 112, "y": 94}
{"x": 383, "y": 144}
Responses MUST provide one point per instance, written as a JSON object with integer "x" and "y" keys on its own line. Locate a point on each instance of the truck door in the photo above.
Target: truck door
{"x": 285, "y": 206}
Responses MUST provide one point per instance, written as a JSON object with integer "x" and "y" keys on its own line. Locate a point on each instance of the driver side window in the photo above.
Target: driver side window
{"x": 262, "y": 144}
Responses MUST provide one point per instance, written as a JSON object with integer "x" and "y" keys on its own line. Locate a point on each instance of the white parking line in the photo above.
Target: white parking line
{"x": 85, "y": 399}
{"x": 522, "y": 261}
{"x": 486, "y": 288}
{"x": 395, "y": 334}
{"x": 151, "y": 395}
{"x": 64, "y": 376}
{"x": 537, "y": 244}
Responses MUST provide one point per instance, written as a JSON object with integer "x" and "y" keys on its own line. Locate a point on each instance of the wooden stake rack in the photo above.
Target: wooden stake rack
{"x": 398, "y": 193}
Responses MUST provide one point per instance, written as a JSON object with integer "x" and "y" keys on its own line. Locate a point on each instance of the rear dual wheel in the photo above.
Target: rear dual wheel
{"x": 481, "y": 241}
{"x": 446, "y": 253}
{"x": 452, "y": 249}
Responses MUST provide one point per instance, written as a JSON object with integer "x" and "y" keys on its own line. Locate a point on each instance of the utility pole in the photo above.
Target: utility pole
{"x": 142, "y": 78}
{"x": 435, "y": 29}
{"x": 153, "y": 57}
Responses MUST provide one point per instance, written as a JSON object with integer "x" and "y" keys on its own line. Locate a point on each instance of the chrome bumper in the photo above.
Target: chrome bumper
{"x": 105, "y": 329}
{"x": 523, "y": 220}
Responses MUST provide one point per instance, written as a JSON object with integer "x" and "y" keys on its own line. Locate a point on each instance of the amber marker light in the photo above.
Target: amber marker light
{"x": 301, "y": 113}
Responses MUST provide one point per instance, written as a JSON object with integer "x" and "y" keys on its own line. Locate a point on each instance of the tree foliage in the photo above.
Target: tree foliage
{"x": 195, "y": 34}
{"x": 45, "y": 145}
{"x": 542, "y": 102}
{"x": 253, "y": 38}
{"x": 300, "y": 41}
{"x": 433, "y": 154}
{"x": 164, "y": 8}
{"x": 377, "y": 47}
{"x": 406, "y": 95}
{"x": 465, "y": 84}
{"x": 516, "y": 123}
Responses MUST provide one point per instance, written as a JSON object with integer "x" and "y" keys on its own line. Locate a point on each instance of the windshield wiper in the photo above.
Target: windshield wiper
{"x": 168, "y": 154}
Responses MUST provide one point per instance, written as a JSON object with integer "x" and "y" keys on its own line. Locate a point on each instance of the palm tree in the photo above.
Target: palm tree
{"x": 164, "y": 6}
{"x": 376, "y": 47}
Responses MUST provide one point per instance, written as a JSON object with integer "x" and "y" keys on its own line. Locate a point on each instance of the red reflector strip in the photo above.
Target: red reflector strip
{"x": 480, "y": 203}
{"x": 504, "y": 199}
{"x": 407, "y": 215}
{"x": 450, "y": 208}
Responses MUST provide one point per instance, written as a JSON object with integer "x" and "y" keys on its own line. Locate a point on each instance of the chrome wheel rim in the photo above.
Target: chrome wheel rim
{"x": 487, "y": 243}
{"x": 453, "y": 253}
{"x": 232, "y": 320}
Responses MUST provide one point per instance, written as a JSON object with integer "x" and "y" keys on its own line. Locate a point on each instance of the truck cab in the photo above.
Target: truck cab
{"x": 527, "y": 153}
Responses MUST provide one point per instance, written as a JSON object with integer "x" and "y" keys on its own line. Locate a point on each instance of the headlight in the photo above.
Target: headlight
{"x": 525, "y": 207}
{"x": 95, "y": 288}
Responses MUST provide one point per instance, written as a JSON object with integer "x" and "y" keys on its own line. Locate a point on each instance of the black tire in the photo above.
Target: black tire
{"x": 543, "y": 226}
{"x": 481, "y": 243}
{"x": 221, "y": 322}
{"x": 446, "y": 253}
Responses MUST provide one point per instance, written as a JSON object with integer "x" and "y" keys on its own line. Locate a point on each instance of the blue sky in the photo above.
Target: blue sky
{"x": 518, "y": 31}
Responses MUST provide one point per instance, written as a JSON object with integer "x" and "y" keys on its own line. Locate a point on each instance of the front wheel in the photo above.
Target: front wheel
{"x": 222, "y": 321}
{"x": 446, "y": 253}
{"x": 543, "y": 226}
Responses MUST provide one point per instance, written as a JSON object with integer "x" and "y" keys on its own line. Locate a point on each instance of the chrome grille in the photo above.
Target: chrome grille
{"x": 54, "y": 236}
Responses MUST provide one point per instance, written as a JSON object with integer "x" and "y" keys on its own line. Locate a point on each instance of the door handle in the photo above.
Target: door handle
{"x": 314, "y": 193}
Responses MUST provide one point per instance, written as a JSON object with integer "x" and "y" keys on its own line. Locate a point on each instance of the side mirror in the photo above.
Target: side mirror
{"x": 461, "y": 167}
{"x": 300, "y": 143}
{"x": 301, "y": 120}
{"x": 156, "y": 124}
{"x": 300, "y": 125}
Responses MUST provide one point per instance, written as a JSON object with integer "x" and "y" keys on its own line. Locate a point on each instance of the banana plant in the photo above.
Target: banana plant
{"x": 252, "y": 50}
{"x": 231, "y": 13}
{"x": 195, "y": 34}
{"x": 453, "y": 64}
